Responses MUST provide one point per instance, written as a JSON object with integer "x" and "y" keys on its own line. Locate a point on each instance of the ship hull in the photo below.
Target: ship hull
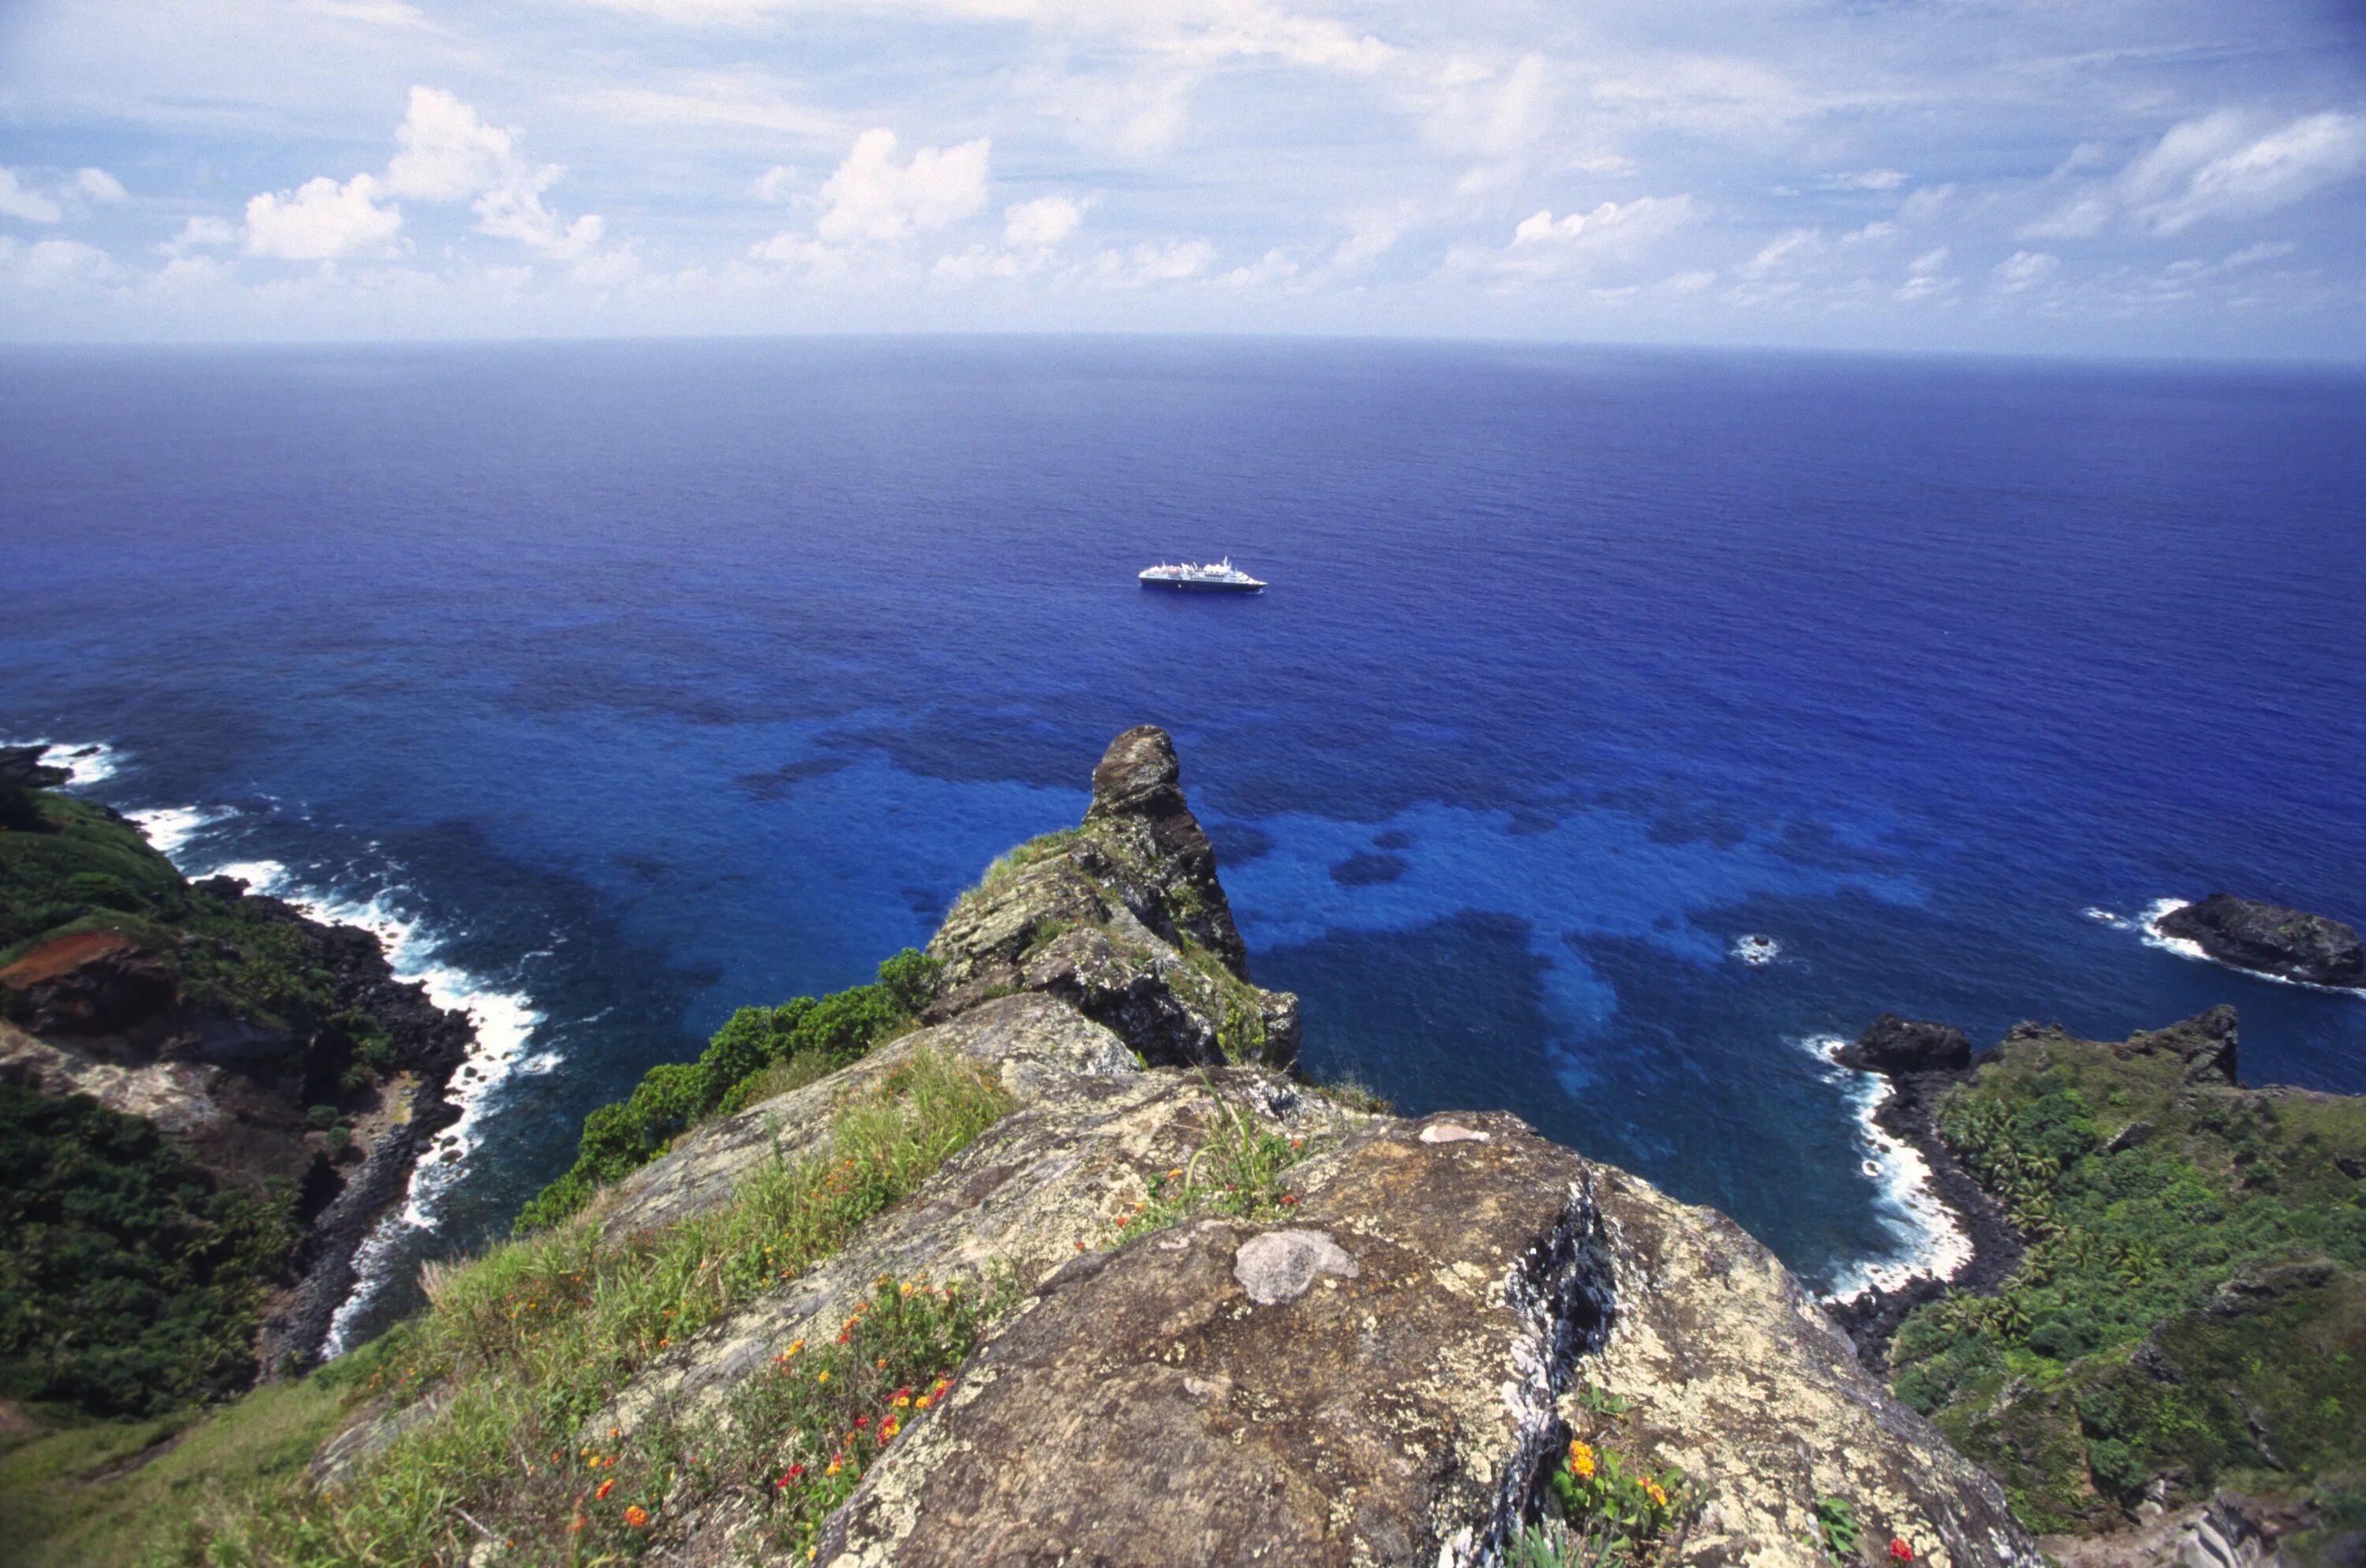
{"x": 1174, "y": 587}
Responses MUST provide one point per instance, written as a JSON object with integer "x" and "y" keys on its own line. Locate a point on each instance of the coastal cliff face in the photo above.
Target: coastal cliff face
{"x": 280, "y": 1057}
{"x": 1166, "y": 1304}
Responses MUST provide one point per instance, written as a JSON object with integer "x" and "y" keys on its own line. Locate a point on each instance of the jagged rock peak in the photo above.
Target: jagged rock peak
{"x": 1138, "y": 794}
{"x": 1124, "y": 919}
{"x": 1139, "y": 775}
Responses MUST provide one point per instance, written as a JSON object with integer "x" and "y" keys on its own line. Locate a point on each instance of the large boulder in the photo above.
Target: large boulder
{"x": 1892, "y": 1046}
{"x": 2270, "y": 939}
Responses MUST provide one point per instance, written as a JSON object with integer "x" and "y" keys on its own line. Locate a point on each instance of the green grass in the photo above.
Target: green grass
{"x": 524, "y": 1347}
{"x": 1013, "y": 861}
{"x": 75, "y": 1495}
{"x": 2099, "y": 1365}
{"x": 1238, "y": 1170}
{"x": 673, "y": 1096}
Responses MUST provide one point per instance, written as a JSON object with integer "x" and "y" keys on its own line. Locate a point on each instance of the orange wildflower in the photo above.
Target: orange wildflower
{"x": 636, "y": 1515}
{"x": 606, "y": 1487}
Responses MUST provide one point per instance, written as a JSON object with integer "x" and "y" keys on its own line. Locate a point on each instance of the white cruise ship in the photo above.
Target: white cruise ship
{"x": 1217, "y": 577}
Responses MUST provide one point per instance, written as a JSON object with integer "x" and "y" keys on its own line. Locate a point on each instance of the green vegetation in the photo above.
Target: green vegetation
{"x": 1015, "y": 860}
{"x": 1603, "y": 1511}
{"x": 2191, "y": 1309}
{"x": 520, "y": 1353}
{"x": 1237, "y": 1172}
{"x": 758, "y": 1051}
{"x": 94, "y": 1494}
{"x": 87, "y": 870}
{"x": 1837, "y": 1529}
{"x": 129, "y": 1281}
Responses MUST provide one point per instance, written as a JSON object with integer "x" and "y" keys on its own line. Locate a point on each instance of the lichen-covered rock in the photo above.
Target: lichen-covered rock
{"x": 1039, "y": 1046}
{"x": 2270, "y": 939}
{"x": 1387, "y": 1378}
{"x": 1124, "y": 919}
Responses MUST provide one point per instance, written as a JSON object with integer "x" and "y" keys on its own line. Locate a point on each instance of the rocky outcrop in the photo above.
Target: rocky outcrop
{"x": 96, "y": 1012}
{"x": 1894, "y": 1045}
{"x": 2270, "y": 939}
{"x": 1388, "y": 1376}
{"x": 1123, "y": 918}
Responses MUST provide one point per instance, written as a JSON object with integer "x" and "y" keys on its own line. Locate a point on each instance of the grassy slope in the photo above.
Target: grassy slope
{"x": 2112, "y": 1361}
{"x": 520, "y": 1348}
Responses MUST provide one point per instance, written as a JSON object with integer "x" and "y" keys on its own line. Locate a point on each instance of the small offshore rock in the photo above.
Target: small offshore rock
{"x": 2270, "y": 939}
{"x": 1891, "y": 1045}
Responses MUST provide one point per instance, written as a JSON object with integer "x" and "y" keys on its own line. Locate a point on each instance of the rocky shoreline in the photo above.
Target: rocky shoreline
{"x": 431, "y": 1043}
{"x": 1920, "y": 1063}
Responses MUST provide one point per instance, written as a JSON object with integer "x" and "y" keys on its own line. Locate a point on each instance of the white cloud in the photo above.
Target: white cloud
{"x": 2025, "y": 270}
{"x": 322, "y": 220}
{"x": 1148, "y": 264}
{"x": 1041, "y": 223}
{"x": 776, "y": 184}
{"x": 2262, "y": 175}
{"x": 376, "y": 13}
{"x": 1923, "y": 276}
{"x": 16, "y": 200}
{"x": 1785, "y": 250}
{"x": 99, "y": 186}
{"x": 448, "y": 152}
{"x": 872, "y": 196}
{"x": 199, "y": 233}
{"x": 1870, "y": 180}
{"x": 47, "y": 265}
{"x": 2217, "y": 167}
{"x": 1544, "y": 246}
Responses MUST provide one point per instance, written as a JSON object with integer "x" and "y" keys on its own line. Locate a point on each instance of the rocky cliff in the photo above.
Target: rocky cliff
{"x": 1167, "y": 1303}
{"x": 279, "y": 1056}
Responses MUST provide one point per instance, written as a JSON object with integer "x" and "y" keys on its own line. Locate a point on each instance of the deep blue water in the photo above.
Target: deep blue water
{"x": 651, "y": 679}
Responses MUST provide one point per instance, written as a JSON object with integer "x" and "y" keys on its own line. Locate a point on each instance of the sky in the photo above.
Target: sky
{"x": 2138, "y": 177}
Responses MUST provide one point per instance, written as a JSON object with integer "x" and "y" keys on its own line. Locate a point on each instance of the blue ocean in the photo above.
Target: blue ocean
{"x": 623, "y": 685}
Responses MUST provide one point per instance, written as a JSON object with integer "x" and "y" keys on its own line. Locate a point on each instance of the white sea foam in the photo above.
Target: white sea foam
{"x": 2161, "y": 910}
{"x": 1931, "y": 1242}
{"x": 2118, "y": 922}
{"x": 1755, "y": 949}
{"x": 505, "y": 1022}
{"x": 169, "y": 828}
{"x": 85, "y": 761}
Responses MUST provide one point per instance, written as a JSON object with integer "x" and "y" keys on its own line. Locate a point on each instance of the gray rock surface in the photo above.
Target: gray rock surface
{"x": 2271, "y": 939}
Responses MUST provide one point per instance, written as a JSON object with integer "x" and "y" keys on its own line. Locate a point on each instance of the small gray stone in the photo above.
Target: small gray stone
{"x": 1279, "y": 1266}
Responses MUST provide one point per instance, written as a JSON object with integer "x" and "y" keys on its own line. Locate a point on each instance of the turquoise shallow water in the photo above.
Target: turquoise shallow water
{"x": 631, "y": 683}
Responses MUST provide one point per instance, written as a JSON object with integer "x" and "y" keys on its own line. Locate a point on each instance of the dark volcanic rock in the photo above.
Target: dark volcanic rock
{"x": 2207, "y": 1043}
{"x": 1138, "y": 789}
{"x": 1892, "y": 1044}
{"x": 22, "y": 766}
{"x": 2270, "y": 939}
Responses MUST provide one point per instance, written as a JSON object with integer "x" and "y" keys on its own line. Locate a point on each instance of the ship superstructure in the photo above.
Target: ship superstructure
{"x": 1218, "y": 577}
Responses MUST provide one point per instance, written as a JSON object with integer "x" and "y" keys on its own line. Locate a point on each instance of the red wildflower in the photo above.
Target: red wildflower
{"x": 606, "y": 1487}
{"x": 1900, "y": 1553}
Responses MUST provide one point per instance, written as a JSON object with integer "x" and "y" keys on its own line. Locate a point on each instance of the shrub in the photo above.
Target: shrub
{"x": 673, "y": 1096}
{"x": 130, "y": 1281}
